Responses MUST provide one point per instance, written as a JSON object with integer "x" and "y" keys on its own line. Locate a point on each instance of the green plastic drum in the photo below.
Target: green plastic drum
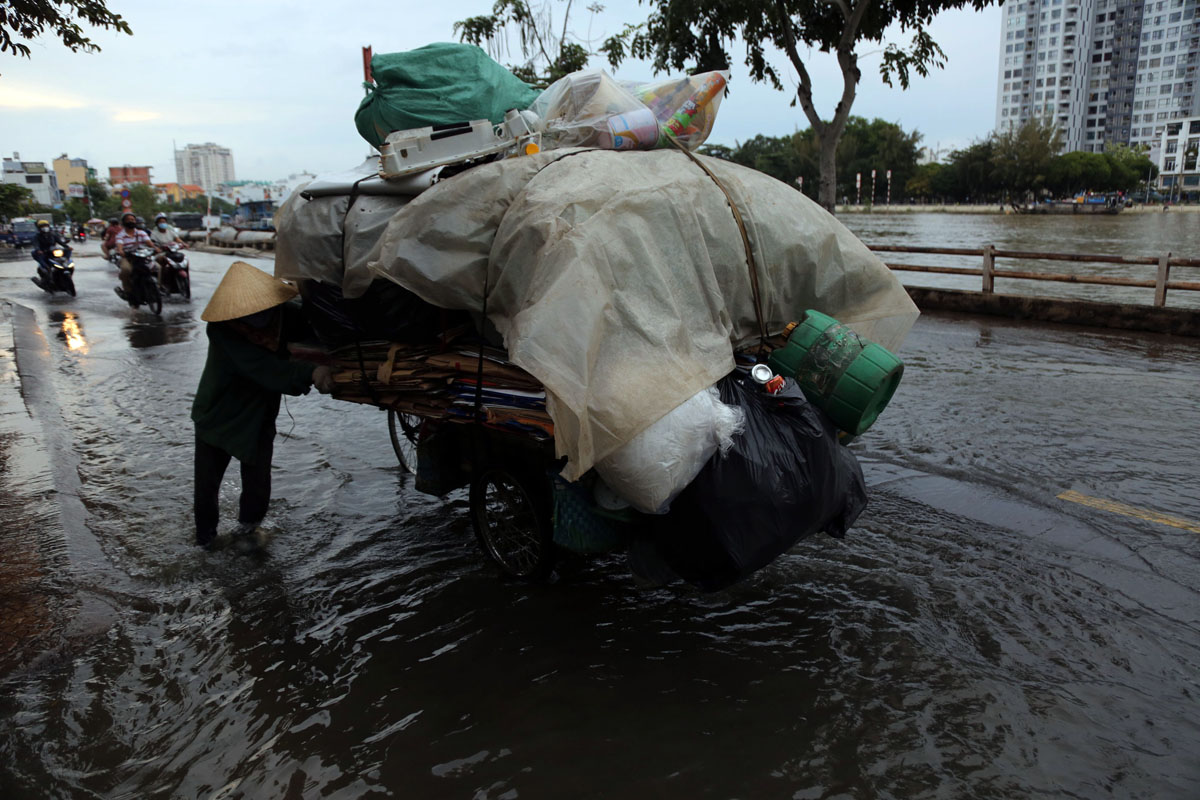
{"x": 844, "y": 375}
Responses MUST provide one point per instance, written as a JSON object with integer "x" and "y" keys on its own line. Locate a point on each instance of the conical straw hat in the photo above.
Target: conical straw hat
{"x": 245, "y": 290}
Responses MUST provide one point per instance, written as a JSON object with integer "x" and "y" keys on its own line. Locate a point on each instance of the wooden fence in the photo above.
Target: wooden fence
{"x": 988, "y": 272}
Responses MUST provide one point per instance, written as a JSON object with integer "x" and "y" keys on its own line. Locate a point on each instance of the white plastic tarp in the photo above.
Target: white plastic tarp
{"x": 620, "y": 281}
{"x": 318, "y": 240}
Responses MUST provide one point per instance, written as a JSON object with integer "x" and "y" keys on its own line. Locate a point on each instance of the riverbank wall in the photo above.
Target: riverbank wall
{"x": 1121, "y": 316}
{"x": 991, "y": 208}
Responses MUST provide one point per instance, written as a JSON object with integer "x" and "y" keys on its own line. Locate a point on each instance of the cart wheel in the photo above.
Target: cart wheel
{"x": 510, "y": 511}
{"x": 402, "y": 428}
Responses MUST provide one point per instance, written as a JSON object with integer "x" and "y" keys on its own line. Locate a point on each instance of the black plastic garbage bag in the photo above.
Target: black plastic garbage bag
{"x": 785, "y": 478}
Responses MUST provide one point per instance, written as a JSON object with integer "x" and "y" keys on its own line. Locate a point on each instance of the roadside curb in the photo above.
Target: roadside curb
{"x": 30, "y": 610}
{"x": 48, "y": 555}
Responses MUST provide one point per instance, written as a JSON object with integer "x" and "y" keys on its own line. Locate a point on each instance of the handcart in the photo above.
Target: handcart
{"x": 459, "y": 414}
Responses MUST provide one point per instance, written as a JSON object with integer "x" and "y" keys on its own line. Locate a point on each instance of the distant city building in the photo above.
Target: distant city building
{"x": 292, "y": 183}
{"x": 1178, "y": 172}
{"x": 174, "y": 192}
{"x": 72, "y": 175}
{"x": 1104, "y": 71}
{"x": 129, "y": 176}
{"x": 34, "y": 176}
{"x": 238, "y": 192}
{"x": 207, "y": 165}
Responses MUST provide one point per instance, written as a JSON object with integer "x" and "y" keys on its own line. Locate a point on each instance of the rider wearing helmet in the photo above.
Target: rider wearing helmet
{"x": 163, "y": 234}
{"x": 45, "y": 241}
{"x": 129, "y": 238}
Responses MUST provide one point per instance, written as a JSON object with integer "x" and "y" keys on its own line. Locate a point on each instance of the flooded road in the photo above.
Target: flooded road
{"x": 973, "y": 636}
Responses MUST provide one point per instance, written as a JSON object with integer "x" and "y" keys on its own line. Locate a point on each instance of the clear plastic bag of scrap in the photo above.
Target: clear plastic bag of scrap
{"x": 591, "y": 109}
{"x": 686, "y": 106}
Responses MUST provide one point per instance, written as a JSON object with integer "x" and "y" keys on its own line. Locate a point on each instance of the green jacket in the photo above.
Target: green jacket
{"x": 240, "y": 388}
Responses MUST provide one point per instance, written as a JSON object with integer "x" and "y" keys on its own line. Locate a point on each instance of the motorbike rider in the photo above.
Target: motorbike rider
{"x": 45, "y": 241}
{"x": 163, "y": 234}
{"x": 129, "y": 238}
{"x": 110, "y": 237}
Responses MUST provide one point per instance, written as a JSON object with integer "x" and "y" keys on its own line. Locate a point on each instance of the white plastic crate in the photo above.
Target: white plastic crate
{"x": 418, "y": 149}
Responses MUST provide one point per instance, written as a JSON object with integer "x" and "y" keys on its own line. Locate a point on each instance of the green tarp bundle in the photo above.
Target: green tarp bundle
{"x": 435, "y": 85}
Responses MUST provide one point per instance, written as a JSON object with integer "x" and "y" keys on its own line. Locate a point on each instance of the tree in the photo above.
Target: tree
{"x": 76, "y": 210}
{"x": 201, "y": 204}
{"x": 875, "y": 145}
{"x": 143, "y": 200}
{"x": 1130, "y": 165}
{"x": 972, "y": 172}
{"x": 1076, "y": 172}
{"x": 14, "y": 199}
{"x": 696, "y": 34}
{"x": 104, "y": 205}
{"x": 928, "y": 181}
{"x": 1021, "y": 158}
{"x": 29, "y": 19}
{"x": 548, "y": 55}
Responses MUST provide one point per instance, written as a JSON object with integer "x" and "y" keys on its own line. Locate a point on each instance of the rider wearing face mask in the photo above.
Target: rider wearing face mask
{"x": 128, "y": 239}
{"x": 162, "y": 235}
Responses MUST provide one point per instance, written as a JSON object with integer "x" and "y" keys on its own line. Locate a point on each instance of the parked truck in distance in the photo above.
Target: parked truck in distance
{"x": 24, "y": 230}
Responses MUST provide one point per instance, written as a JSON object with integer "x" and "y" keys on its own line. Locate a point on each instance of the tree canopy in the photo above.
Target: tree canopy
{"x": 697, "y": 35}
{"x": 1010, "y": 167}
{"x": 29, "y": 19}
{"x": 867, "y": 145}
{"x": 549, "y": 51}
{"x": 1022, "y": 165}
{"x": 14, "y": 199}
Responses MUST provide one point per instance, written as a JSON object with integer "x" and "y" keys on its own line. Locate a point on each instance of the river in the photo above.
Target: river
{"x": 973, "y": 636}
{"x": 1128, "y": 234}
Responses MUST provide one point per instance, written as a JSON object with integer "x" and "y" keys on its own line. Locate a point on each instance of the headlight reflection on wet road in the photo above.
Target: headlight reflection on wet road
{"x": 72, "y": 333}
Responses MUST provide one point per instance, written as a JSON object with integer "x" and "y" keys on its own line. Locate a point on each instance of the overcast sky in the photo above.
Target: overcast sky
{"x": 278, "y": 82}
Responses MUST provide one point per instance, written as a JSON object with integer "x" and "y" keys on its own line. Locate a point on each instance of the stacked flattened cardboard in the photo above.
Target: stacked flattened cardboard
{"x": 456, "y": 379}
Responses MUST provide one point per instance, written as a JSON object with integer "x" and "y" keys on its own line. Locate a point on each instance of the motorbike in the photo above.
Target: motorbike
{"x": 62, "y": 271}
{"x": 176, "y": 278}
{"x": 143, "y": 285}
{"x": 81, "y": 235}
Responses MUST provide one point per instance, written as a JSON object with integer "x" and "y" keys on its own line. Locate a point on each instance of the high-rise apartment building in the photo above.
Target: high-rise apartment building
{"x": 207, "y": 165}
{"x": 1104, "y": 71}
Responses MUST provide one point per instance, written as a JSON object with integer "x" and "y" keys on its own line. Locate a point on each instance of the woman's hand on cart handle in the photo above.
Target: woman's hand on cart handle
{"x": 322, "y": 378}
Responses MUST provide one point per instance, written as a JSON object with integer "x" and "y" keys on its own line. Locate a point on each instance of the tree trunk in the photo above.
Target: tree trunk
{"x": 827, "y": 195}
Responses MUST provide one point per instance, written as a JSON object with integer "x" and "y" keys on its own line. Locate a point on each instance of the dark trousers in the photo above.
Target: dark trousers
{"x": 211, "y": 463}
{"x": 43, "y": 264}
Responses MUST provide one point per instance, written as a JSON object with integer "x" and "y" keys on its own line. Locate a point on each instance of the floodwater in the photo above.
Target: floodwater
{"x": 1149, "y": 234}
{"x": 973, "y": 636}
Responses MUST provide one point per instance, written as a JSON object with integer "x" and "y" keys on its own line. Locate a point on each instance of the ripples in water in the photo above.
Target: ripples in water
{"x": 970, "y": 637}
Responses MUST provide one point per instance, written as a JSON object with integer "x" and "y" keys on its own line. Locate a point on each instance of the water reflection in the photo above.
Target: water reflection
{"x": 70, "y": 331}
{"x": 157, "y": 331}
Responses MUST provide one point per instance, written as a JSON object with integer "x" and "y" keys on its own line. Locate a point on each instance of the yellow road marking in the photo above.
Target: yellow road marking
{"x": 1130, "y": 511}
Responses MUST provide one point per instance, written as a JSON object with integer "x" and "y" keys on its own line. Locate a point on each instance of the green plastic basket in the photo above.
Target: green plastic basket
{"x": 849, "y": 378}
